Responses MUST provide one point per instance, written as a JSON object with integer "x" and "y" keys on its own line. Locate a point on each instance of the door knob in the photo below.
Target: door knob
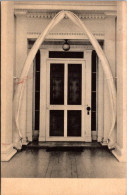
{"x": 88, "y": 109}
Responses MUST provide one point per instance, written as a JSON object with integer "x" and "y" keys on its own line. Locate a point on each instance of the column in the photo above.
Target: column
{"x": 7, "y": 65}
{"x": 43, "y": 103}
{"x": 120, "y": 151}
{"x": 109, "y": 49}
{"x": 21, "y": 55}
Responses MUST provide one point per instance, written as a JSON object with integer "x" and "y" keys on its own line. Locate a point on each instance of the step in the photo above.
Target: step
{"x": 62, "y": 145}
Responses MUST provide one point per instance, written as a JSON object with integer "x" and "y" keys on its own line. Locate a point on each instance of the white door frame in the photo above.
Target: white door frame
{"x": 65, "y": 107}
{"x": 43, "y": 97}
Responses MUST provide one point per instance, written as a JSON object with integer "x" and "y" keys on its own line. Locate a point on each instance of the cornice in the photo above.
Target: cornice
{"x": 50, "y": 15}
{"x": 76, "y": 5}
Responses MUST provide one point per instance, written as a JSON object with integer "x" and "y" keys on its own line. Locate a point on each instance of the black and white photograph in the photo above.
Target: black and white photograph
{"x": 63, "y": 90}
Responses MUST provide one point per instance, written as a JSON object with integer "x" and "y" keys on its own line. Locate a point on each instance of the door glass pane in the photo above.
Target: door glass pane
{"x": 93, "y": 89}
{"x": 74, "y": 123}
{"x": 56, "y": 122}
{"x": 74, "y": 84}
{"x": 65, "y": 54}
{"x": 57, "y": 84}
{"x": 93, "y": 98}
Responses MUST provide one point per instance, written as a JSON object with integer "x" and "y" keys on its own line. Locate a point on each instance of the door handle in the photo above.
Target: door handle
{"x": 88, "y": 109}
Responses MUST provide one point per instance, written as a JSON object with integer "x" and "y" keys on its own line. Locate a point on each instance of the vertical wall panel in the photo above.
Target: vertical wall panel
{"x": 109, "y": 49}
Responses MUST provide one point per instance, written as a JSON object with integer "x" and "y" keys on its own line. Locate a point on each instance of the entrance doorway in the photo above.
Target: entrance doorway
{"x": 66, "y": 100}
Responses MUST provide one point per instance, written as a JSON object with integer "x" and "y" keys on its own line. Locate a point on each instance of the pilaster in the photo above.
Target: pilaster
{"x": 120, "y": 150}
{"x": 43, "y": 100}
{"x": 21, "y": 55}
{"x": 109, "y": 49}
{"x": 7, "y": 63}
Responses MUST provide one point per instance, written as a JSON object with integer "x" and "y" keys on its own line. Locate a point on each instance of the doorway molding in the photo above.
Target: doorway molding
{"x": 104, "y": 62}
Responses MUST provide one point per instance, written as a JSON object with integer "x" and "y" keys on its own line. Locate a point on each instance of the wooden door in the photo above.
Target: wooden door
{"x": 66, "y": 101}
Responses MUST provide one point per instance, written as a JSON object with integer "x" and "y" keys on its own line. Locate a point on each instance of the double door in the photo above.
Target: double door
{"x": 67, "y": 116}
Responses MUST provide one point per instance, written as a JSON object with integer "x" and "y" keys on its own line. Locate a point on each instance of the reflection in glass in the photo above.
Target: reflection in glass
{"x": 74, "y": 84}
{"x": 56, "y": 84}
{"x": 74, "y": 123}
{"x": 56, "y": 122}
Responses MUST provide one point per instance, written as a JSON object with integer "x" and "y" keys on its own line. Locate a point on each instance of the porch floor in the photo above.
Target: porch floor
{"x": 95, "y": 162}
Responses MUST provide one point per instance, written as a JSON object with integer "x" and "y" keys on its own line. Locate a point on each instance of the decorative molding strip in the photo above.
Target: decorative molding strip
{"x": 50, "y": 15}
{"x": 86, "y": 47}
{"x": 72, "y": 35}
{"x": 58, "y": 44}
{"x": 67, "y": 33}
{"x": 75, "y": 33}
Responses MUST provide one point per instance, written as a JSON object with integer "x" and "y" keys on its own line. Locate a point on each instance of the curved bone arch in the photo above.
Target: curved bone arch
{"x": 104, "y": 63}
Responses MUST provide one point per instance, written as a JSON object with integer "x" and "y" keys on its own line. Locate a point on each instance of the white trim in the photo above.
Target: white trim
{"x": 43, "y": 94}
{"x": 87, "y": 117}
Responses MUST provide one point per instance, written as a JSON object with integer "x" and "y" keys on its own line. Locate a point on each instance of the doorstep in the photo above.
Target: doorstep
{"x": 56, "y": 145}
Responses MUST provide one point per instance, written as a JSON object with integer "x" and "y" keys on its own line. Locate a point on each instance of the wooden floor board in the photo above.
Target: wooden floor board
{"x": 89, "y": 163}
